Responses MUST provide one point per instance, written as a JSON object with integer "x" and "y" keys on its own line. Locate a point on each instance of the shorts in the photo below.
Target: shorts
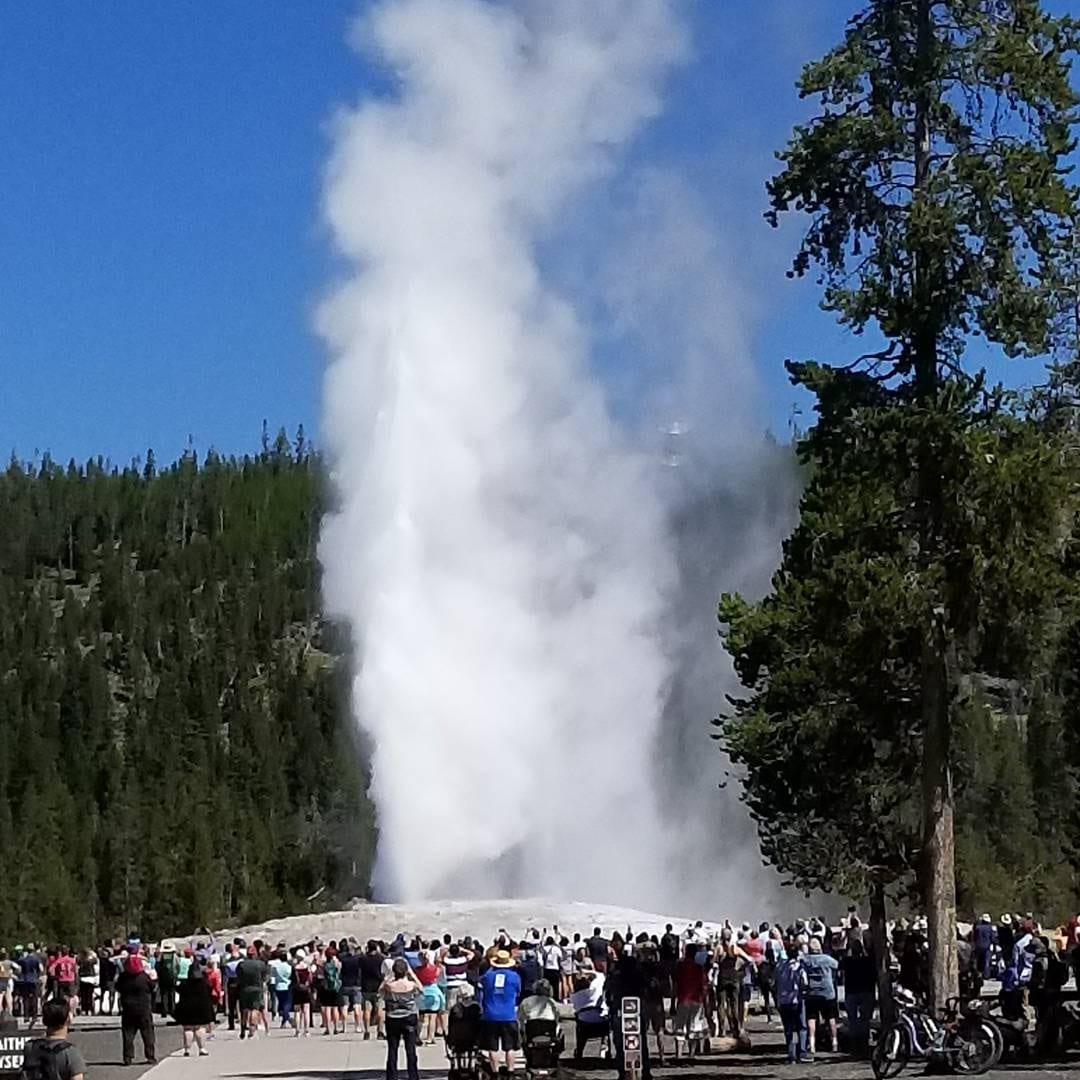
{"x": 499, "y": 1035}
{"x": 65, "y": 989}
{"x": 351, "y": 996}
{"x": 301, "y": 995}
{"x": 251, "y": 998}
{"x": 819, "y": 1008}
{"x": 690, "y": 1020}
{"x": 329, "y": 999}
{"x": 432, "y": 1000}
{"x": 655, "y": 1015}
{"x": 370, "y": 997}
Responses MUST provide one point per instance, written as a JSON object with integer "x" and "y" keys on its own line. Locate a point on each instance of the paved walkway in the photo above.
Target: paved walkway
{"x": 282, "y": 1054}
{"x": 319, "y": 1057}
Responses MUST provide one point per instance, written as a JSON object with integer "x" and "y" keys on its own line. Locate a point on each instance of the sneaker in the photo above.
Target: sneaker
{"x": 204, "y": 1053}
{"x": 187, "y": 1053}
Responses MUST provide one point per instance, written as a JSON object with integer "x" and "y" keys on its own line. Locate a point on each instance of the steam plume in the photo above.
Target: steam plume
{"x": 501, "y": 549}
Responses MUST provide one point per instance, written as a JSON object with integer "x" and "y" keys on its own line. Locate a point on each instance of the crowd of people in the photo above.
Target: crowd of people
{"x": 694, "y": 985}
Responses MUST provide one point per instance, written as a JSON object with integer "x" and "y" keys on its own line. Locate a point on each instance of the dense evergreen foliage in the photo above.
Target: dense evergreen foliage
{"x": 174, "y": 748}
{"x": 933, "y": 180}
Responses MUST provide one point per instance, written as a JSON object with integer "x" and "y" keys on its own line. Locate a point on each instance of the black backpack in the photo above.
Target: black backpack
{"x": 41, "y": 1060}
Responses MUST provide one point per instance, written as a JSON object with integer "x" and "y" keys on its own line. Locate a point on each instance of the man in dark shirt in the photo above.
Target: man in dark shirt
{"x": 251, "y": 977}
{"x": 371, "y": 977}
{"x": 28, "y": 982}
{"x": 135, "y": 991}
{"x": 860, "y": 986}
{"x": 597, "y": 949}
{"x": 66, "y": 1061}
{"x": 349, "y": 959}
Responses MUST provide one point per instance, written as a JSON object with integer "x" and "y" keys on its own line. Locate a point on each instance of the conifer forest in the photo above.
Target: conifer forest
{"x": 175, "y": 748}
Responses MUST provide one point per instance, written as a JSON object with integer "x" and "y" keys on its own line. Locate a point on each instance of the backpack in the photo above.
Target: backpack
{"x": 332, "y": 977}
{"x": 41, "y": 1060}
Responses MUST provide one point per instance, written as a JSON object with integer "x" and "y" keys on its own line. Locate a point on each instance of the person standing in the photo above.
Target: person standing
{"x": 28, "y": 982}
{"x": 551, "y": 962}
{"x": 983, "y": 938}
{"x": 251, "y": 976}
{"x": 790, "y": 991}
{"x": 330, "y": 998}
{"x": 400, "y": 992}
{"x": 168, "y": 975}
{"x": 626, "y": 980}
{"x": 66, "y": 971}
{"x": 213, "y": 980}
{"x": 7, "y": 981}
{"x": 820, "y": 994}
{"x": 731, "y": 960}
{"x": 598, "y": 950}
{"x": 352, "y": 995}
{"x": 107, "y": 977}
{"x": 302, "y": 983}
{"x": 88, "y": 981}
{"x": 371, "y": 978}
{"x": 281, "y": 973}
{"x": 690, "y": 986}
{"x": 860, "y": 989}
{"x": 135, "y": 991}
{"x": 433, "y": 999}
{"x": 195, "y": 1008}
{"x": 53, "y": 1057}
{"x": 500, "y": 990}
{"x": 232, "y": 992}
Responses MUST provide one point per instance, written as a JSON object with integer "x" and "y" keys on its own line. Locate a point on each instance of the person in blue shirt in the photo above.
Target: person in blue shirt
{"x": 790, "y": 990}
{"x": 983, "y": 939}
{"x": 820, "y": 993}
{"x": 499, "y": 990}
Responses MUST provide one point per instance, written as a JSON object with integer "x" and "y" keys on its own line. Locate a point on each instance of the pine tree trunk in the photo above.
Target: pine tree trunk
{"x": 880, "y": 941}
{"x": 939, "y": 866}
{"x": 938, "y": 855}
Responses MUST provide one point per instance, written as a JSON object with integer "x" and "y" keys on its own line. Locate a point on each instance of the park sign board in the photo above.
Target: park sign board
{"x": 12, "y": 1048}
{"x": 631, "y": 1035}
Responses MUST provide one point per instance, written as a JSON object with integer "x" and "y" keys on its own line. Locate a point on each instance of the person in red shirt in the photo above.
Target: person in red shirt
{"x": 217, "y": 996}
{"x": 690, "y": 985}
{"x": 432, "y": 1002}
{"x": 65, "y": 972}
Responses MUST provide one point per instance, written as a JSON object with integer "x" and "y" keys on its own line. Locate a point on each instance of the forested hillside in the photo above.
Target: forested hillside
{"x": 174, "y": 750}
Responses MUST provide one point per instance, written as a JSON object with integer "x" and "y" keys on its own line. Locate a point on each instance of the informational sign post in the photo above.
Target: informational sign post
{"x": 12, "y": 1048}
{"x": 631, "y": 1036}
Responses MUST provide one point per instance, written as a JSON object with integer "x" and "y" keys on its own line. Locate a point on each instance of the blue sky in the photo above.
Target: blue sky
{"x": 160, "y": 245}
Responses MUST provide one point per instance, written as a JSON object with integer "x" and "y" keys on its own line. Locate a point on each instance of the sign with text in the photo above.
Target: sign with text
{"x": 631, "y": 1035}
{"x": 12, "y": 1048}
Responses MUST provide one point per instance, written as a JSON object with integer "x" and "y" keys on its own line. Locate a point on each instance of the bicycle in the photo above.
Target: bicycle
{"x": 966, "y": 1046}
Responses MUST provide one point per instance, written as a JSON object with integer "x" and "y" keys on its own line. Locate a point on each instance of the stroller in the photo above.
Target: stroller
{"x": 543, "y": 1045}
{"x": 462, "y": 1030}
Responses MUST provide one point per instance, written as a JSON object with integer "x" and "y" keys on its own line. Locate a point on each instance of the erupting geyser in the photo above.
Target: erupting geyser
{"x": 500, "y": 547}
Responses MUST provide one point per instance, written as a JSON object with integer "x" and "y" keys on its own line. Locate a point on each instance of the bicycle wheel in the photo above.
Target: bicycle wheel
{"x": 891, "y": 1052}
{"x": 999, "y": 1040}
{"x": 971, "y": 1049}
